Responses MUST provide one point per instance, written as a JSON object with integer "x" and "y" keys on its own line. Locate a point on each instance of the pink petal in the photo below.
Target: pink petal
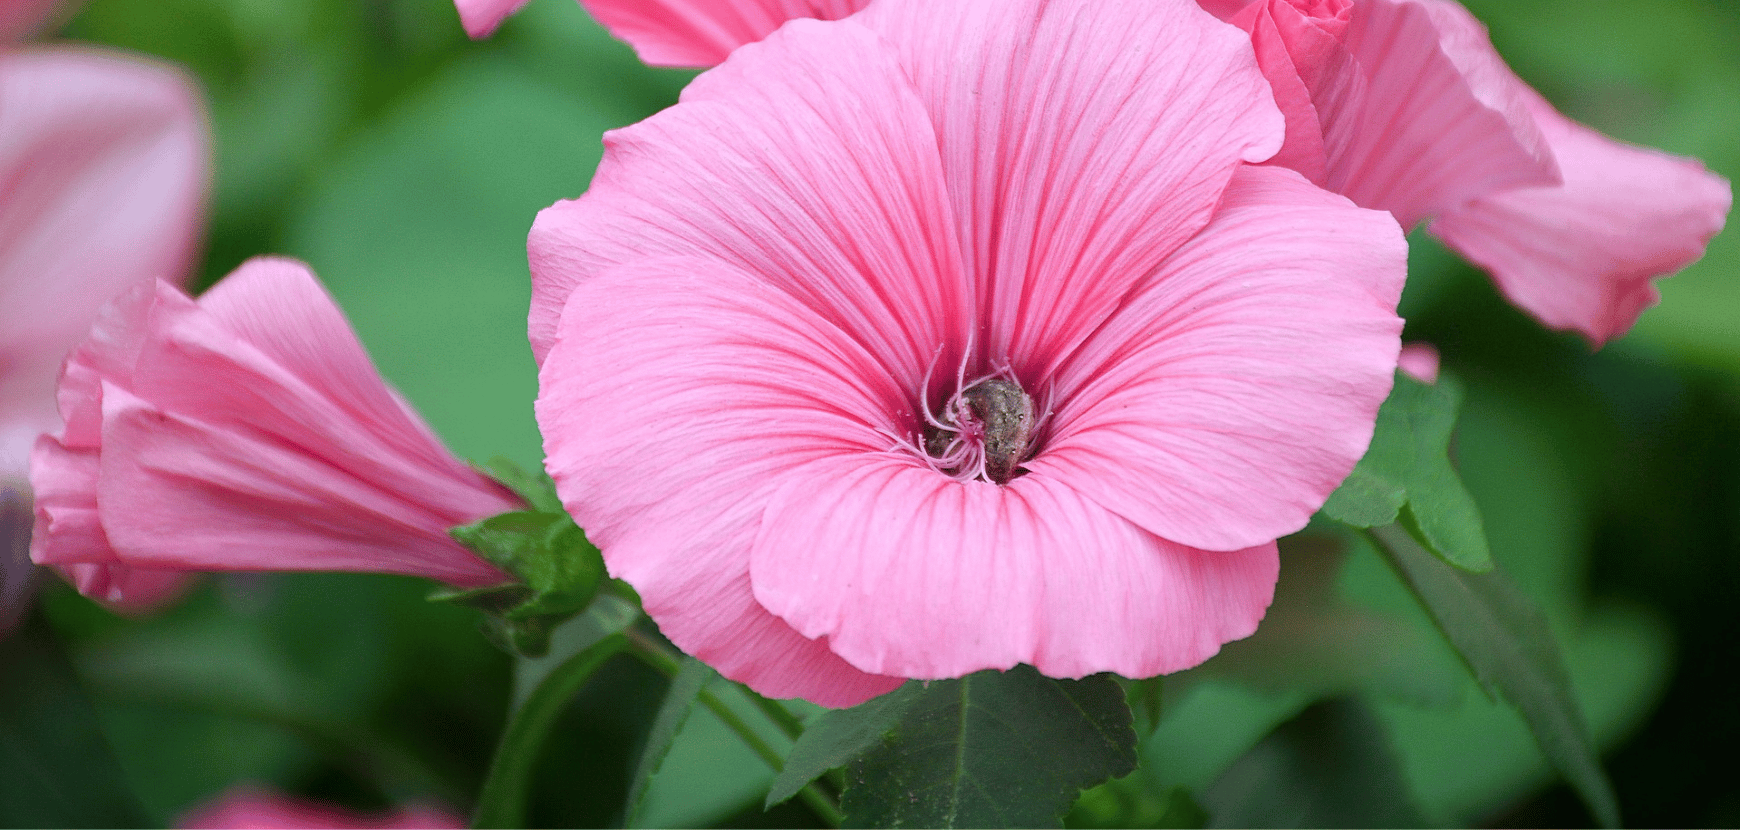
{"x": 805, "y": 161}
{"x": 244, "y": 806}
{"x": 104, "y": 161}
{"x": 1439, "y": 120}
{"x": 1236, "y": 390}
{"x": 1082, "y": 141}
{"x": 1420, "y": 361}
{"x": 1584, "y": 255}
{"x": 679, "y": 396}
{"x": 20, "y": 19}
{"x": 908, "y": 572}
{"x": 702, "y": 33}
{"x": 482, "y": 17}
{"x": 124, "y": 589}
{"x": 1299, "y": 48}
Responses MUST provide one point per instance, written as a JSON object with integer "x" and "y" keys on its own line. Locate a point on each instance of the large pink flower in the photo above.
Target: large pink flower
{"x": 105, "y": 159}
{"x": 245, "y": 431}
{"x": 955, "y": 336}
{"x": 1403, "y": 105}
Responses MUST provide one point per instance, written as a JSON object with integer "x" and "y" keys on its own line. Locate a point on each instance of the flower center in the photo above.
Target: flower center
{"x": 985, "y": 431}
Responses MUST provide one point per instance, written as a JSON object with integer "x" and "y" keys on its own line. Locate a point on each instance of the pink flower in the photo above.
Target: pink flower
{"x": 1403, "y": 105}
{"x": 252, "y": 808}
{"x": 955, "y": 336}
{"x": 20, "y": 19}
{"x": 482, "y": 17}
{"x": 1420, "y": 361}
{"x": 105, "y": 159}
{"x": 700, "y": 33}
{"x": 246, "y": 431}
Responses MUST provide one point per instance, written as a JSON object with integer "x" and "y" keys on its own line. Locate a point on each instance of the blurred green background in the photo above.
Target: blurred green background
{"x": 405, "y": 164}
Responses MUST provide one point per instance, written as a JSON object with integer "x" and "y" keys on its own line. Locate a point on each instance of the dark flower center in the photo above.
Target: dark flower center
{"x": 985, "y": 430}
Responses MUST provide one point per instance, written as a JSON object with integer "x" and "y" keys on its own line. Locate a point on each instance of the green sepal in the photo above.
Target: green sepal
{"x": 558, "y": 573}
{"x": 1406, "y": 476}
{"x": 534, "y": 486}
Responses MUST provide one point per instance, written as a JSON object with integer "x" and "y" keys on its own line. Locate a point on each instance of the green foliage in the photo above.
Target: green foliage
{"x": 1508, "y": 645}
{"x": 992, "y": 749}
{"x": 1406, "y": 476}
{"x": 1330, "y": 766}
{"x": 55, "y": 766}
{"x": 558, "y": 571}
{"x": 691, "y": 679}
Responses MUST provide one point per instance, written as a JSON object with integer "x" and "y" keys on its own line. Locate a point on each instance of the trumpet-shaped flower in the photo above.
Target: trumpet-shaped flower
{"x": 1403, "y": 105}
{"x": 951, "y": 337}
{"x": 481, "y": 17}
{"x": 245, "y": 431}
{"x": 701, "y": 33}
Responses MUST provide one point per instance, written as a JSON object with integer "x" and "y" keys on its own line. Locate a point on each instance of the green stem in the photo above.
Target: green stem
{"x": 655, "y": 655}
{"x": 502, "y": 802}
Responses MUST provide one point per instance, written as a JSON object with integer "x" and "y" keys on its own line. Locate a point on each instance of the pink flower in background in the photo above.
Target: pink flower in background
{"x": 701, "y": 33}
{"x": 20, "y": 19}
{"x": 1403, "y": 105}
{"x": 104, "y": 161}
{"x": 956, "y": 336}
{"x": 253, "y": 808}
{"x": 482, "y": 17}
{"x": 245, "y": 431}
{"x": 1420, "y": 361}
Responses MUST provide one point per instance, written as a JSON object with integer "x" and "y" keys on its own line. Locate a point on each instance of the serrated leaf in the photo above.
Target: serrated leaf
{"x": 692, "y": 677}
{"x": 1009, "y": 749}
{"x": 1332, "y": 765}
{"x": 1510, "y": 649}
{"x": 838, "y": 736}
{"x": 1406, "y": 476}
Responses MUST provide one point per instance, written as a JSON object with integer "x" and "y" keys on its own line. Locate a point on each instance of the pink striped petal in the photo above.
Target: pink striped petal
{"x": 1584, "y": 255}
{"x": 1082, "y": 141}
{"x": 1299, "y": 47}
{"x": 1440, "y": 119}
{"x": 805, "y": 161}
{"x": 701, "y": 33}
{"x": 247, "y": 431}
{"x": 1229, "y": 397}
{"x": 908, "y": 572}
{"x": 104, "y": 160}
{"x": 680, "y": 395}
{"x": 482, "y": 17}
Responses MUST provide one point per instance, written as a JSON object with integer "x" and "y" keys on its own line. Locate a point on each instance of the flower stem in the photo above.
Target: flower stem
{"x": 502, "y": 801}
{"x": 657, "y": 656}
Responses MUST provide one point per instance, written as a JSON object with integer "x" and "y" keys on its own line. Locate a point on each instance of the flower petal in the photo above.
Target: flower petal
{"x": 1082, "y": 140}
{"x": 1438, "y": 120}
{"x": 124, "y": 589}
{"x": 679, "y": 394}
{"x": 908, "y": 572}
{"x": 702, "y": 33}
{"x": 1300, "y": 51}
{"x": 105, "y": 160}
{"x": 177, "y": 493}
{"x": 805, "y": 161}
{"x": 1584, "y": 255}
{"x": 1237, "y": 389}
{"x": 482, "y": 17}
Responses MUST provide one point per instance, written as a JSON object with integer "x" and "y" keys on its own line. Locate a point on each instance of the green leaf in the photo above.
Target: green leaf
{"x": 534, "y": 486}
{"x": 1510, "y": 649}
{"x": 1330, "y": 766}
{"x": 57, "y": 768}
{"x": 679, "y": 701}
{"x": 837, "y": 737}
{"x": 1010, "y": 749}
{"x": 558, "y": 571}
{"x": 1406, "y": 476}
